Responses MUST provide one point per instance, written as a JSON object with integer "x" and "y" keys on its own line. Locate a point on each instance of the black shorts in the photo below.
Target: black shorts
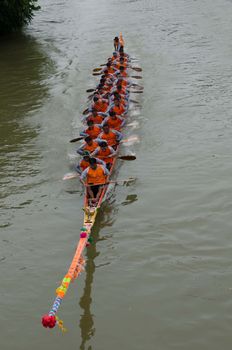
{"x": 95, "y": 189}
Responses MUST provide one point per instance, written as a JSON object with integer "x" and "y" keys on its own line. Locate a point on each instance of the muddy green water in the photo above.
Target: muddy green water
{"x": 159, "y": 273}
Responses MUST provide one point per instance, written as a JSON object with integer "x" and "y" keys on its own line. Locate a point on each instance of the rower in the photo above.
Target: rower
{"x": 116, "y": 43}
{"x": 90, "y": 145}
{"x": 124, "y": 82}
{"x": 105, "y": 153}
{"x": 122, "y": 91}
{"x": 92, "y": 130}
{"x": 100, "y": 104}
{"x": 113, "y": 137}
{"x": 121, "y": 52}
{"x": 123, "y": 55}
{"x": 95, "y": 116}
{"x": 115, "y": 56}
{"x": 110, "y": 69}
{"x": 122, "y": 99}
{"x": 118, "y": 107}
{"x": 123, "y": 72}
{"x": 84, "y": 162}
{"x": 121, "y": 62}
{"x": 95, "y": 177}
{"x": 114, "y": 121}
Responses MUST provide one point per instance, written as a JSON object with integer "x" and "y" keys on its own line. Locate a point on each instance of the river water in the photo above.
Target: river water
{"x": 158, "y": 275}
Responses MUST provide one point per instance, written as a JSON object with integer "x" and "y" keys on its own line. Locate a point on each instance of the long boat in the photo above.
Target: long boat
{"x": 77, "y": 265}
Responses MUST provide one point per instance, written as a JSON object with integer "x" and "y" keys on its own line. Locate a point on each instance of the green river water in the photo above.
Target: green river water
{"x": 158, "y": 275}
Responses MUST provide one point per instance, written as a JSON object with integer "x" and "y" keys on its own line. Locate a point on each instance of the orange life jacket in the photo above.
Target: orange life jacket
{"x": 93, "y": 132}
{"x": 114, "y": 123}
{"x": 114, "y": 58}
{"x": 102, "y": 154}
{"x": 96, "y": 176}
{"x": 101, "y": 106}
{"x": 111, "y": 70}
{"x": 96, "y": 119}
{"x": 118, "y": 65}
{"x": 83, "y": 164}
{"x": 119, "y": 109}
{"x": 124, "y": 83}
{"x": 124, "y": 74}
{"x": 91, "y": 148}
{"x": 122, "y": 92}
{"x": 111, "y": 138}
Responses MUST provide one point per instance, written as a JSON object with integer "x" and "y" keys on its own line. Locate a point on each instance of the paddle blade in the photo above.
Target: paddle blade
{"x": 137, "y": 86}
{"x": 130, "y": 140}
{"x": 90, "y": 96}
{"x": 70, "y": 176}
{"x": 137, "y": 69}
{"x": 129, "y": 181}
{"x": 129, "y": 157}
{"x": 86, "y": 111}
{"x": 136, "y": 77}
{"x": 76, "y": 139}
{"x": 90, "y": 90}
{"x": 137, "y": 91}
{"x": 97, "y": 69}
{"x": 133, "y": 101}
{"x": 96, "y": 74}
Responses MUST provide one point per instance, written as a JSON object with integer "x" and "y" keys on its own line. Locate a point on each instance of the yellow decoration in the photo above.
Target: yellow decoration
{"x": 60, "y": 324}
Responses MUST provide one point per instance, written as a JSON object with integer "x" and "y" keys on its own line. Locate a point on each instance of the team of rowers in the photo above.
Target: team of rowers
{"x": 103, "y": 122}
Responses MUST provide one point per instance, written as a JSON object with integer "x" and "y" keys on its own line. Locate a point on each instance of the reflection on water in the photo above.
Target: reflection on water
{"x": 24, "y": 70}
{"x": 24, "y": 67}
{"x": 86, "y": 321}
{"x": 131, "y": 198}
{"x": 106, "y": 218}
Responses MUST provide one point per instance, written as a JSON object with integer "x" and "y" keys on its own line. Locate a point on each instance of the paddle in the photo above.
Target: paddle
{"x": 125, "y": 182}
{"x": 96, "y": 73}
{"x": 137, "y": 86}
{"x": 132, "y": 138}
{"x": 90, "y": 97}
{"x": 137, "y": 69}
{"x": 86, "y": 111}
{"x": 137, "y": 92}
{"x": 97, "y": 69}
{"x": 70, "y": 176}
{"x": 90, "y": 90}
{"x": 133, "y": 101}
{"x": 136, "y": 77}
{"x": 77, "y": 139}
{"x": 129, "y": 157}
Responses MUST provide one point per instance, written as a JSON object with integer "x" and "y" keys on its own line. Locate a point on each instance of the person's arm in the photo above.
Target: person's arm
{"x": 100, "y": 161}
{"x": 113, "y": 152}
{"x": 123, "y": 121}
{"x": 95, "y": 152}
{"x": 119, "y": 135}
{"x": 106, "y": 171}
{"x": 78, "y": 168}
{"x": 84, "y": 118}
{"x": 104, "y": 115}
{"x": 81, "y": 149}
{"x": 98, "y": 139}
{"x": 104, "y": 122}
{"x": 83, "y": 133}
{"x": 84, "y": 174}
